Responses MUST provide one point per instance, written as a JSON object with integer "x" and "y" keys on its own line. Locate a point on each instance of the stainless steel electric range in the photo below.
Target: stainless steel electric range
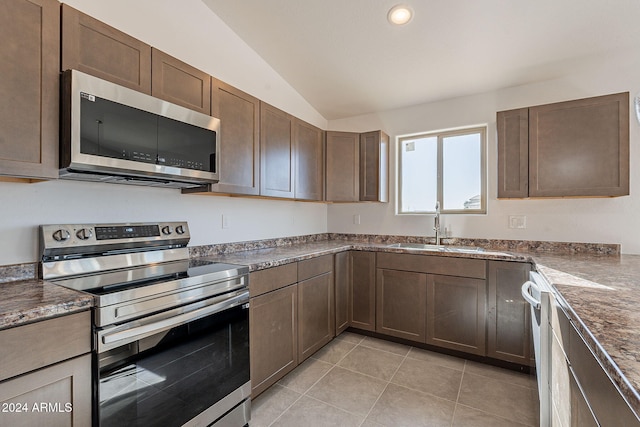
{"x": 171, "y": 334}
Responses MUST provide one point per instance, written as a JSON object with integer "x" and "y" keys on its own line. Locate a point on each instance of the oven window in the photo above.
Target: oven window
{"x": 169, "y": 378}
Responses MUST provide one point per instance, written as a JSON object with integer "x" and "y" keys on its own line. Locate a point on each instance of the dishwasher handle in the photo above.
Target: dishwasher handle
{"x": 527, "y": 295}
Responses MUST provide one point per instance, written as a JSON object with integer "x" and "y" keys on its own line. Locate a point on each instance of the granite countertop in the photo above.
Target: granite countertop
{"x": 259, "y": 259}
{"x": 602, "y": 295}
{"x": 34, "y": 300}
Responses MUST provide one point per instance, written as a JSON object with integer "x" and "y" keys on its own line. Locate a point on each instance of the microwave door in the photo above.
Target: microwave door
{"x": 109, "y": 129}
{"x": 183, "y": 145}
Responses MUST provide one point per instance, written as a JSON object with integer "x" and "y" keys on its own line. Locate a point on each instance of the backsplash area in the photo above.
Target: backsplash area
{"x": 27, "y": 271}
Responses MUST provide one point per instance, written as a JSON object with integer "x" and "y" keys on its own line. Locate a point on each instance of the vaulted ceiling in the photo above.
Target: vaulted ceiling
{"x": 345, "y": 58}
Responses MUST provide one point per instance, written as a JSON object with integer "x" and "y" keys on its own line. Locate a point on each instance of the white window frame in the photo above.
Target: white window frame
{"x": 440, "y": 135}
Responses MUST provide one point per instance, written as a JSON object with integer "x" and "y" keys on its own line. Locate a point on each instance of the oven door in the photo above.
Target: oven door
{"x": 186, "y": 366}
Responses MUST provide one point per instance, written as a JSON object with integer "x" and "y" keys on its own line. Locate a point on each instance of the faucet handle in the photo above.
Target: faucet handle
{"x": 437, "y": 206}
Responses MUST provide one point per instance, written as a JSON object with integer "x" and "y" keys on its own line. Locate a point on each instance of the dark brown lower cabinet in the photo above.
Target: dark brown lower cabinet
{"x": 362, "y": 292}
{"x": 58, "y": 395}
{"x": 401, "y": 308}
{"x": 581, "y": 415}
{"x": 508, "y": 315}
{"x": 341, "y": 277}
{"x": 316, "y": 321}
{"x": 273, "y": 337}
{"x": 456, "y": 313}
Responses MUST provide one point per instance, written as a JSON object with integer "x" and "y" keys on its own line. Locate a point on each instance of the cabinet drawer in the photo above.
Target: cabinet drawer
{"x": 268, "y": 280}
{"x": 602, "y": 395}
{"x": 33, "y": 346}
{"x": 448, "y": 266}
{"x": 314, "y": 267}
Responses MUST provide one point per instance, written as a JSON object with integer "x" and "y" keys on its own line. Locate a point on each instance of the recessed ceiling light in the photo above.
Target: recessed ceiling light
{"x": 400, "y": 14}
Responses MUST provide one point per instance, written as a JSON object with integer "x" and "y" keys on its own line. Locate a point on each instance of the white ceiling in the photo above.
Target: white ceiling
{"x": 345, "y": 59}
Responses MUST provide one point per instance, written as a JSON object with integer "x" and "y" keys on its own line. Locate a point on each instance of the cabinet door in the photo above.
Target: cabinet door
{"x": 309, "y": 164}
{"x": 58, "y": 395}
{"x": 239, "y": 115}
{"x": 273, "y": 337}
{"x": 456, "y": 313}
{"x": 276, "y": 152}
{"x": 362, "y": 290}
{"x": 29, "y": 88}
{"x": 316, "y": 322}
{"x": 581, "y": 414}
{"x": 95, "y": 48}
{"x": 341, "y": 277}
{"x": 508, "y": 319}
{"x": 601, "y": 396}
{"x": 580, "y": 148}
{"x": 513, "y": 153}
{"x": 401, "y": 308}
{"x": 342, "y": 167}
{"x": 180, "y": 83}
{"x": 374, "y": 166}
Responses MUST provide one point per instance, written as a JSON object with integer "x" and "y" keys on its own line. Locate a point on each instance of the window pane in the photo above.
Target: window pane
{"x": 462, "y": 179}
{"x": 419, "y": 158}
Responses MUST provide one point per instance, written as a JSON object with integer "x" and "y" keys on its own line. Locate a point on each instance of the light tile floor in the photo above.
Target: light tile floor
{"x": 362, "y": 381}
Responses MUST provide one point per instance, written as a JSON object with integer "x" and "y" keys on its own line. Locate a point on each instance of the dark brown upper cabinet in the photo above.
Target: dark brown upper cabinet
{"x": 575, "y": 149}
{"x": 374, "y": 167}
{"x": 513, "y": 153}
{"x": 95, "y": 48}
{"x": 239, "y": 115}
{"x": 342, "y": 167}
{"x": 309, "y": 161}
{"x": 29, "y": 87}
{"x": 357, "y": 166}
{"x": 179, "y": 82}
{"x": 276, "y": 152}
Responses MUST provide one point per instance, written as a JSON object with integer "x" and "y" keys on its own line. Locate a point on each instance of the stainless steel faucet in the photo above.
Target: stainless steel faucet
{"x": 436, "y": 224}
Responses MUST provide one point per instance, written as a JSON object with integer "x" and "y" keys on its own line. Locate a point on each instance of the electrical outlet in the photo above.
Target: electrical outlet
{"x": 517, "y": 221}
{"x": 356, "y": 219}
{"x": 225, "y": 221}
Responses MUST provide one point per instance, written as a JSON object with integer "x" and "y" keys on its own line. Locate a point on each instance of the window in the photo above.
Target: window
{"x": 446, "y": 167}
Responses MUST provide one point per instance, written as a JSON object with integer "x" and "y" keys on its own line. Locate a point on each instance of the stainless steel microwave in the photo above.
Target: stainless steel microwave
{"x": 110, "y": 133}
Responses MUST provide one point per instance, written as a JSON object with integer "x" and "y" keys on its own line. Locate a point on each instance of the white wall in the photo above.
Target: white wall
{"x": 25, "y": 206}
{"x": 188, "y": 30}
{"x": 597, "y": 220}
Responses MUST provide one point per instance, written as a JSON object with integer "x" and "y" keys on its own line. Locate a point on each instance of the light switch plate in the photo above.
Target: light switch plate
{"x": 517, "y": 221}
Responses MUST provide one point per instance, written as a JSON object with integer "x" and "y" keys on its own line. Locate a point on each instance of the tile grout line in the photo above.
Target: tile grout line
{"x": 305, "y": 392}
{"x": 387, "y": 385}
{"x": 495, "y": 415}
{"x": 453, "y": 417}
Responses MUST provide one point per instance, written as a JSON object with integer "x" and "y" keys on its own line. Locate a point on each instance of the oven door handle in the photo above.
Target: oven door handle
{"x": 130, "y": 334}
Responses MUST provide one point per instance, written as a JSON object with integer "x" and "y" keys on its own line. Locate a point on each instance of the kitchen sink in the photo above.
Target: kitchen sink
{"x": 438, "y": 248}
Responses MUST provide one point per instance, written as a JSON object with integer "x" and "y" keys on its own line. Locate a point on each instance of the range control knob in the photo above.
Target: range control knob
{"x": 84, "y": 233}
{"x": 61, "y": 235}
{"x": 180, "y": 229}
{"x": 166, "y": 230}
